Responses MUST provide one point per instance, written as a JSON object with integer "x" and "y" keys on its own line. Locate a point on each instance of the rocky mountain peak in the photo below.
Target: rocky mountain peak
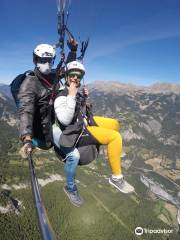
{"x": 118, "y": 87}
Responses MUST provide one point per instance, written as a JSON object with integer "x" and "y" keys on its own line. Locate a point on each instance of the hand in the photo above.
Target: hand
{"x": 72, "y": 89}
{"x": 26, "y": 149}
{"x": 85, "y": 92}
{"x": 72, "y": 44}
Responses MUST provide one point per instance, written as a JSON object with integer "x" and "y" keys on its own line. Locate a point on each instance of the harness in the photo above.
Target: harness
{"x": 76, "y": 134}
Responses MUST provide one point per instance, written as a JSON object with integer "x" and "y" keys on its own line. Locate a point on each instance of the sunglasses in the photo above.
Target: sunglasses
{"x": 45, "y": 60}
{"x": 78, "y": 75}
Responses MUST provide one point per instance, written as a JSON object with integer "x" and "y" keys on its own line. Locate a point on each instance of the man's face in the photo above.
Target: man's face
{"x": 44, "y": 64}
{"x": 74, "y": 76}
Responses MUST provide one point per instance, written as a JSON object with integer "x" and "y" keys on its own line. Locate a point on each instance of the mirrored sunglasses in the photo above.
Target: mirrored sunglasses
{"x": 78, "y": 75}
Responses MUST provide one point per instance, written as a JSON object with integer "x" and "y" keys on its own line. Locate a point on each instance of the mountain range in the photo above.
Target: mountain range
{"x": 116, "y": 87}
{"x": 149, "y": 116}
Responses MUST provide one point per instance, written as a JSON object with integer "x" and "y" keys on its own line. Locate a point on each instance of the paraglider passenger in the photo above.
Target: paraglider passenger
{"x": 73, "y": 122}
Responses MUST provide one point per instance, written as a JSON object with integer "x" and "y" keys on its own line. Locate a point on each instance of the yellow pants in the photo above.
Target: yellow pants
{"x": 107, "y": 133}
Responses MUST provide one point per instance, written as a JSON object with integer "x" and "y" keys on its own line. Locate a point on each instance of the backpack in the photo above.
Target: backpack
{"x": 16, "y": 83}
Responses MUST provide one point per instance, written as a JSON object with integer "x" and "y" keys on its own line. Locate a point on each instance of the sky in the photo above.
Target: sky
{"x": 131, "y": 41}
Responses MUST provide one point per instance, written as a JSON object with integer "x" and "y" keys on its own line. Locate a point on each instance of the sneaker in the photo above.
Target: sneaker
{"x": 121, "y": 185}
{"x": 74, "y": 197}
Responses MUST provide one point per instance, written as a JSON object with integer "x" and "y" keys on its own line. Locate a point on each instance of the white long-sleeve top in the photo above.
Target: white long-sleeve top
{"x": 64, "y": 107}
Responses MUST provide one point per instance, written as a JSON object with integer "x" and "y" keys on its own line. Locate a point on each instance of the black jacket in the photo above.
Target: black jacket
{"x": 35, "y": 111}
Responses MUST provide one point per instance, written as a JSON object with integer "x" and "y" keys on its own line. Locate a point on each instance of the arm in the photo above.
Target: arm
{"x": 64, "y": 107}
{"x": 73, "y": 45}
{"x": 27, "y": 97}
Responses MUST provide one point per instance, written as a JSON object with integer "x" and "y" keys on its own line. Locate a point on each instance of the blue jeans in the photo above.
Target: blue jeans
{"x": 72, "y": 159}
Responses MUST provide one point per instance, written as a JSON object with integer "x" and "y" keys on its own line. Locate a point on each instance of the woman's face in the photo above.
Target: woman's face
{"x": 74, "y": 76}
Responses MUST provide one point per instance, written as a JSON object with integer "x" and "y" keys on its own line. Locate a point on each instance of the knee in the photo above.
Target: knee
{"x": 74, "y": 155}
{"x": 118, "y": 137}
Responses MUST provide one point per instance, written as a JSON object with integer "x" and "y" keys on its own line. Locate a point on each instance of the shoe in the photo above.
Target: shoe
{"x": 74, "y": 197}
{"x": 121, "y": 185}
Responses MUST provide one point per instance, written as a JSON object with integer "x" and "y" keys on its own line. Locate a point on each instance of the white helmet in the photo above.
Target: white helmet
{"x": 43, "y": 58}
{"x": 75, "y": 65}
{"x": 45, "y": 51}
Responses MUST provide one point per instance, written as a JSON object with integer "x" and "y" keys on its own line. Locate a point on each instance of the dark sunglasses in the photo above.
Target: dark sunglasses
{"x": 45, "y": 60}
{"x": 75, "y": 74}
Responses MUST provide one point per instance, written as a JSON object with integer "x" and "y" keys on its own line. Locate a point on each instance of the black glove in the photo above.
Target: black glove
{"x": 26, "y": 149}
{"x": 72, "y": 44}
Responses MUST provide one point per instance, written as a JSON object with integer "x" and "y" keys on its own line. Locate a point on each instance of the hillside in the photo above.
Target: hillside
{"x": 150, "y": 128}
{"x": 5, "y": 90}
{"x": 8, "y": 123}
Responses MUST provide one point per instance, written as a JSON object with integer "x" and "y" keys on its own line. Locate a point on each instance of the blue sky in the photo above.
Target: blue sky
{"x": 131, "y": 41}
